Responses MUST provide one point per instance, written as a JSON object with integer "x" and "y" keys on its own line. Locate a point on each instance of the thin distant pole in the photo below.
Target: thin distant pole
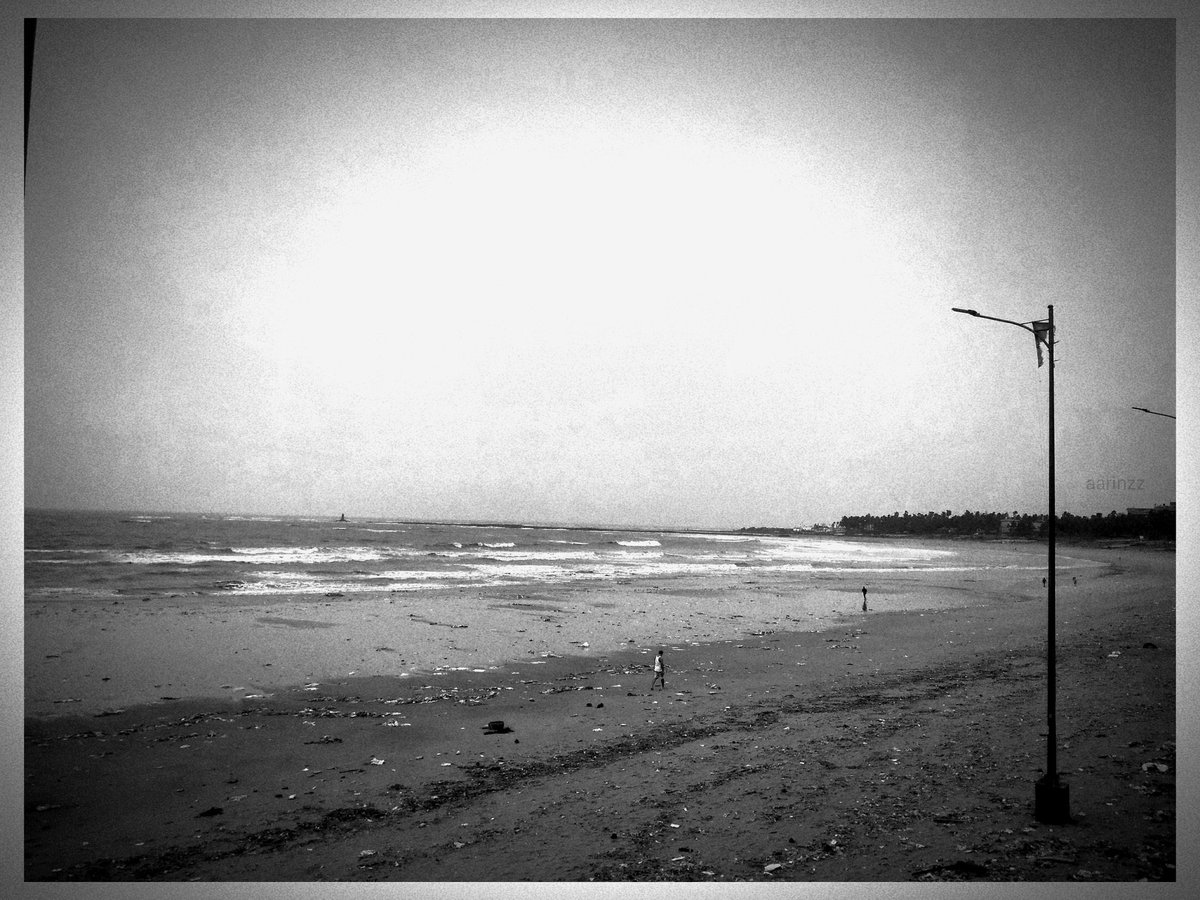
{"x": 1052, "y": 743}
{"x": 30, "y": 34}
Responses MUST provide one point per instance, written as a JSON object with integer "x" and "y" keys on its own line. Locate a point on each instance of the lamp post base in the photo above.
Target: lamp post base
{"x": 1051, "y": 801}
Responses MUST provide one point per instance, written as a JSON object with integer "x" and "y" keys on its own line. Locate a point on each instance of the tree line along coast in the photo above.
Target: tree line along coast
{"x": 1151, "y": 524}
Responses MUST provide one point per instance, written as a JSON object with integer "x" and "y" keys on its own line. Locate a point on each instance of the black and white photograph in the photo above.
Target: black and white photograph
{"x": 598, "y": 443}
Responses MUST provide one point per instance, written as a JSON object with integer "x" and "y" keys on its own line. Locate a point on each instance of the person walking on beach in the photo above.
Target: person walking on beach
{"x": 864, "y": 598}
{"x": 660, "y": 669}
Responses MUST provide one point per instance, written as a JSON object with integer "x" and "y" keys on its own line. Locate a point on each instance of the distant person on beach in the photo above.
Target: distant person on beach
{"x": 864, "y": 598}
{"x": 1074, "y": 580}
{"x": 1043, "y": 582}
{"x": 660, "y": 670}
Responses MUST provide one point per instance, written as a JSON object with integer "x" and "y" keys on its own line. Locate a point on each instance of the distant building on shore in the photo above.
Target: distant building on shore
{"x": 1150, "y": 510}
{"x": 828, "y": 529}
{"x": 1015, "y": 525}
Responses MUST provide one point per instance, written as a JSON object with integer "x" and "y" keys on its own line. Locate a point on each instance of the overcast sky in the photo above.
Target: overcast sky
{"x": 623, "y": 272}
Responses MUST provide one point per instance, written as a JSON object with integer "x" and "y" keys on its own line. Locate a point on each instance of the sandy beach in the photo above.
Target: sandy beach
{"x": 797, "y": 739}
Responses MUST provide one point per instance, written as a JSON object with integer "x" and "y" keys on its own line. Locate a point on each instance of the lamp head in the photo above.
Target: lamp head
{"x": 969, "y": 312}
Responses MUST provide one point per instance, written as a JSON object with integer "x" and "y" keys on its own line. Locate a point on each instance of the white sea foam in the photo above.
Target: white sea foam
{"x": 253, "y": 556}
{"x": 639, "y": 543}
{"x": 630, "y": 555}
{"x": 723, "y": 538}
{"x": 309, "y": 586}
{"x": 531, "y": 572}
{"x": 520, "y": 555}
{"x": 425, "y": 575}
{"x": 819, "y": 551}
{"x": 720, "y": 557}
{"x": 681, "y": 568}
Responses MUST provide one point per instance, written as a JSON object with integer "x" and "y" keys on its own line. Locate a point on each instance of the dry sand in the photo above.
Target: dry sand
{"x": 897, "y": 745}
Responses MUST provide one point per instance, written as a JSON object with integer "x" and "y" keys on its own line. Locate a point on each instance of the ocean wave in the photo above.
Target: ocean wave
{"x": 532, "y": 571}
{"x": 631, "y": 554}
{"x": 713, "y": 557}
{"x": 518, "y": 555}
{"x": 252, "y": 556}
{"x": 820, "y": 551}
{"x": 637, "y": 543}
{"x": 323, "y": 586}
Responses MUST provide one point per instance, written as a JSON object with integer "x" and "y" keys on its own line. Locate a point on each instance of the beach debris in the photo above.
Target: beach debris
{"x": 376, "y": 761}
{"x": 496, "y": 726}
{"x": 69, "y": 700}
{"x": 326, "y": 739}
{"x": 1154, "y": 767}
{"x": 959, "y": 868}
{"x": 772, "y": 867}
{"x": 362, "y": 853}
{"x": 1114, "y": 654}
{"x": 1149, "y": 645}
{"x": 211, "y": 811}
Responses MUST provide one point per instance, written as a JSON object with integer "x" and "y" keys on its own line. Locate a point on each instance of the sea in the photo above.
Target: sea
{"x": 82, "y": 556}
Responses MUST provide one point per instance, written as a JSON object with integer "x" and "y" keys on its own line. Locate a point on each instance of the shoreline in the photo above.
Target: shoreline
{"x": 597, "y": 771}
{"x": 95, "y": 657}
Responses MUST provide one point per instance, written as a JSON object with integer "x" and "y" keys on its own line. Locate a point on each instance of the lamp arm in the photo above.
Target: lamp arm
{"x": 979, "y": 315}
{"x": 1010, "y": 322}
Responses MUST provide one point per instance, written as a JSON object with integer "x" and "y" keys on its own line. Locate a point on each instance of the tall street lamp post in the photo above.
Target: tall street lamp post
{"x": 1051, "y": 796}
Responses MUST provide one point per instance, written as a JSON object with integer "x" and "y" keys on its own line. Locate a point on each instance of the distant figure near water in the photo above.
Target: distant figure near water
{"x": 343, "y": 518}
{"x": 864, "y": 598}
{"x": 659, "y": 672}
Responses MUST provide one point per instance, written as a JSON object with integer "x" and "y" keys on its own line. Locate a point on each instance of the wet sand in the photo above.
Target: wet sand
{"x": 91, "y": 657}
{"x": 897, "y": 745}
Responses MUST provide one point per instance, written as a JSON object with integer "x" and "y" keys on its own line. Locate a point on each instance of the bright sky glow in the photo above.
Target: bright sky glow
{"x": 622, "y": 272}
